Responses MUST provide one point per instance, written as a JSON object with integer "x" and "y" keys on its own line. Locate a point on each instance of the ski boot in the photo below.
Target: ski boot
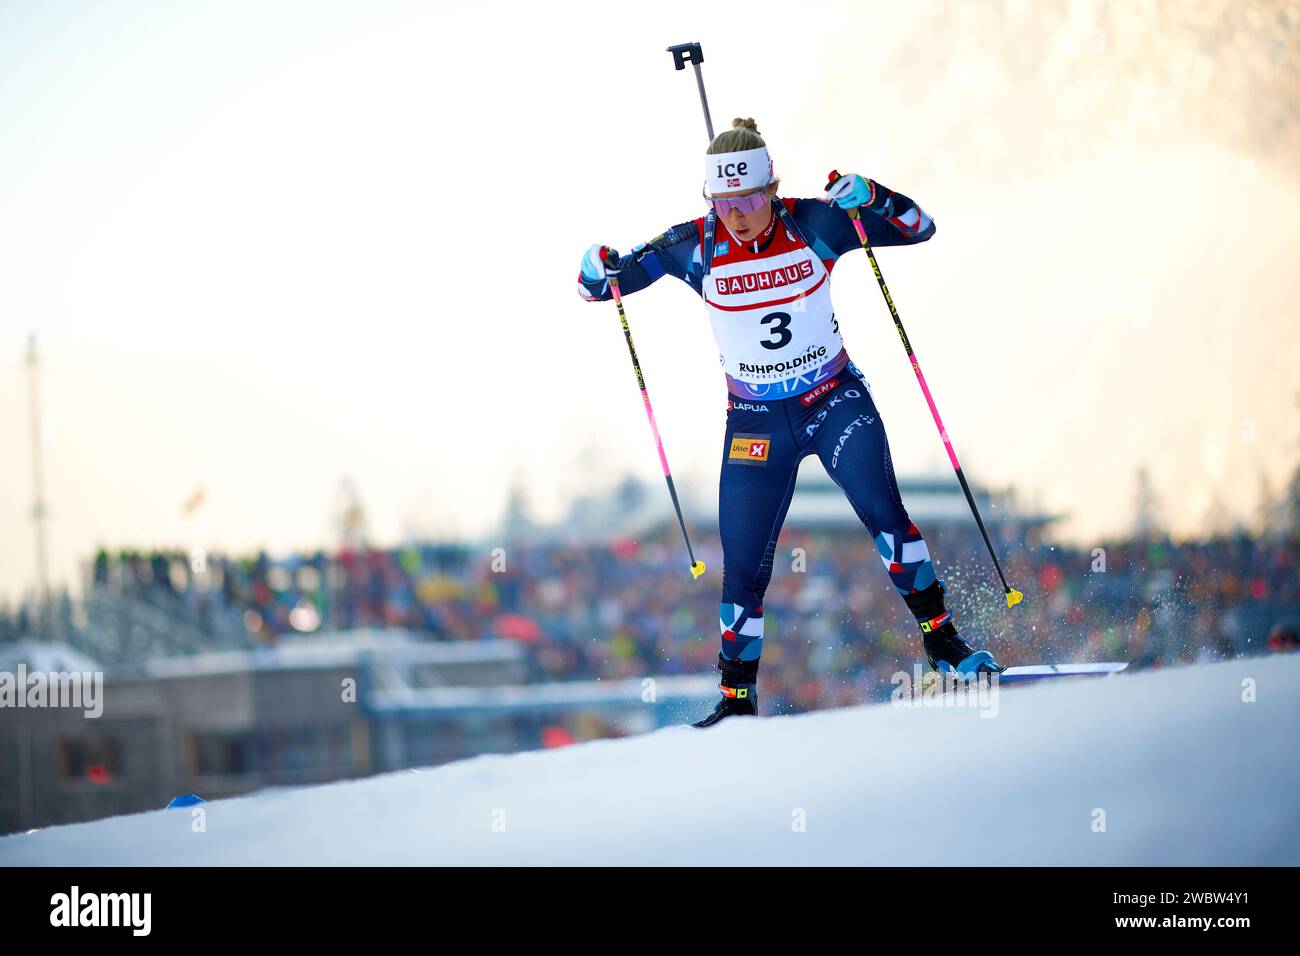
{"x": 739, "y": 692}
{"x": 949, "y": 654}
{"x": 944, "y": 648}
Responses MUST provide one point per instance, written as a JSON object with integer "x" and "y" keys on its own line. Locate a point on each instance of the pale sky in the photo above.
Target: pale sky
{"x": 268, "y": 245}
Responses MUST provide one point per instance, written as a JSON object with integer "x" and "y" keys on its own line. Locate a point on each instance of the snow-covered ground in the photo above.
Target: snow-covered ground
{"x": 1184, "y": 770}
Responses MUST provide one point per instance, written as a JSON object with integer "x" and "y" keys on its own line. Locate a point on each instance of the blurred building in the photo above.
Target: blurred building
{"x": 935, "y": 502}
{"x": 329, "y": 708}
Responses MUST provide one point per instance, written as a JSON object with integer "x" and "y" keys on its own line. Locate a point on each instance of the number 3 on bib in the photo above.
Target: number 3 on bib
{"x": 780, "y": 322}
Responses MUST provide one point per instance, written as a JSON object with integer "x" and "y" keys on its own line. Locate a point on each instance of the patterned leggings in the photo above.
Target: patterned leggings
{"x": 766, "y": 440}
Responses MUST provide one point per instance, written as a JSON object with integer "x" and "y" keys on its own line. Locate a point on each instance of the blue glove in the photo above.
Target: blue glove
{"x": 598, "y": 263}
{"x": 849, "y": 191}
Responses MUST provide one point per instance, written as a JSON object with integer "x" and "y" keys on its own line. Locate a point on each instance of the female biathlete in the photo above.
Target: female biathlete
{"x": 762, "y": 266}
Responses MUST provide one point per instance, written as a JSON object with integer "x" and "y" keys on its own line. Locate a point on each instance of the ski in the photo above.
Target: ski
{"x": 1032, "y": 672}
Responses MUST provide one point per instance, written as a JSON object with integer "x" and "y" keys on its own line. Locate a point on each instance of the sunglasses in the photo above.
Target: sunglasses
{"x": 746, "y": 204}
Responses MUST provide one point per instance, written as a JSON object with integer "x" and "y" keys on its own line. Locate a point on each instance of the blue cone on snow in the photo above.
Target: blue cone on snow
{"x": 186, "y": 800}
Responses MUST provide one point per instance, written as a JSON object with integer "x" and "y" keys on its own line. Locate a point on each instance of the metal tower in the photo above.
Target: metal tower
{"x": 40, "y": 513}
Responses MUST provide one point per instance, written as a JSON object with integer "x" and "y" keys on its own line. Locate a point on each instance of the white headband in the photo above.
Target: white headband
{"x": 730, "y": 172}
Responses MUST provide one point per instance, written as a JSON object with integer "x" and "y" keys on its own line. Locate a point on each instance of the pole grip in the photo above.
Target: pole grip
{"x": 684, "y": 53}
{"x": 693, "y": 54}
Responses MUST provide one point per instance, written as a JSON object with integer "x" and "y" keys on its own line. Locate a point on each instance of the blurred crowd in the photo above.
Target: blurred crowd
{"x": 836, "y": 631}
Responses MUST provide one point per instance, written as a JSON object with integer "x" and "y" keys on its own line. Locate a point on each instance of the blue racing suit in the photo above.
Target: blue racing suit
{"x": 794, "y": 392}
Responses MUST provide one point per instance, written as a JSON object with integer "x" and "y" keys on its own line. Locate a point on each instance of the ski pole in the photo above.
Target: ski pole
{"x": 693, "y": 54}
{"x": 1013, "y": 596}
{"x": 697, "y": 567}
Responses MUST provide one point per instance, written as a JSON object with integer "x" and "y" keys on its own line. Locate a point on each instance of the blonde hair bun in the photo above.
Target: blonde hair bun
{"x": 743, "y": 135}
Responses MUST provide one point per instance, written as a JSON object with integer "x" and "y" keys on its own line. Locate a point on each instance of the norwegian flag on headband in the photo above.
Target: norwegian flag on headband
{"x": 733, "y": 183}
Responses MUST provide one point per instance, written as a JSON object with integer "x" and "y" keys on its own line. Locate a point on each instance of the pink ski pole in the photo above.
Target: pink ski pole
{"x": 697, "y": 567}
{"x": 1013, "y": 596}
